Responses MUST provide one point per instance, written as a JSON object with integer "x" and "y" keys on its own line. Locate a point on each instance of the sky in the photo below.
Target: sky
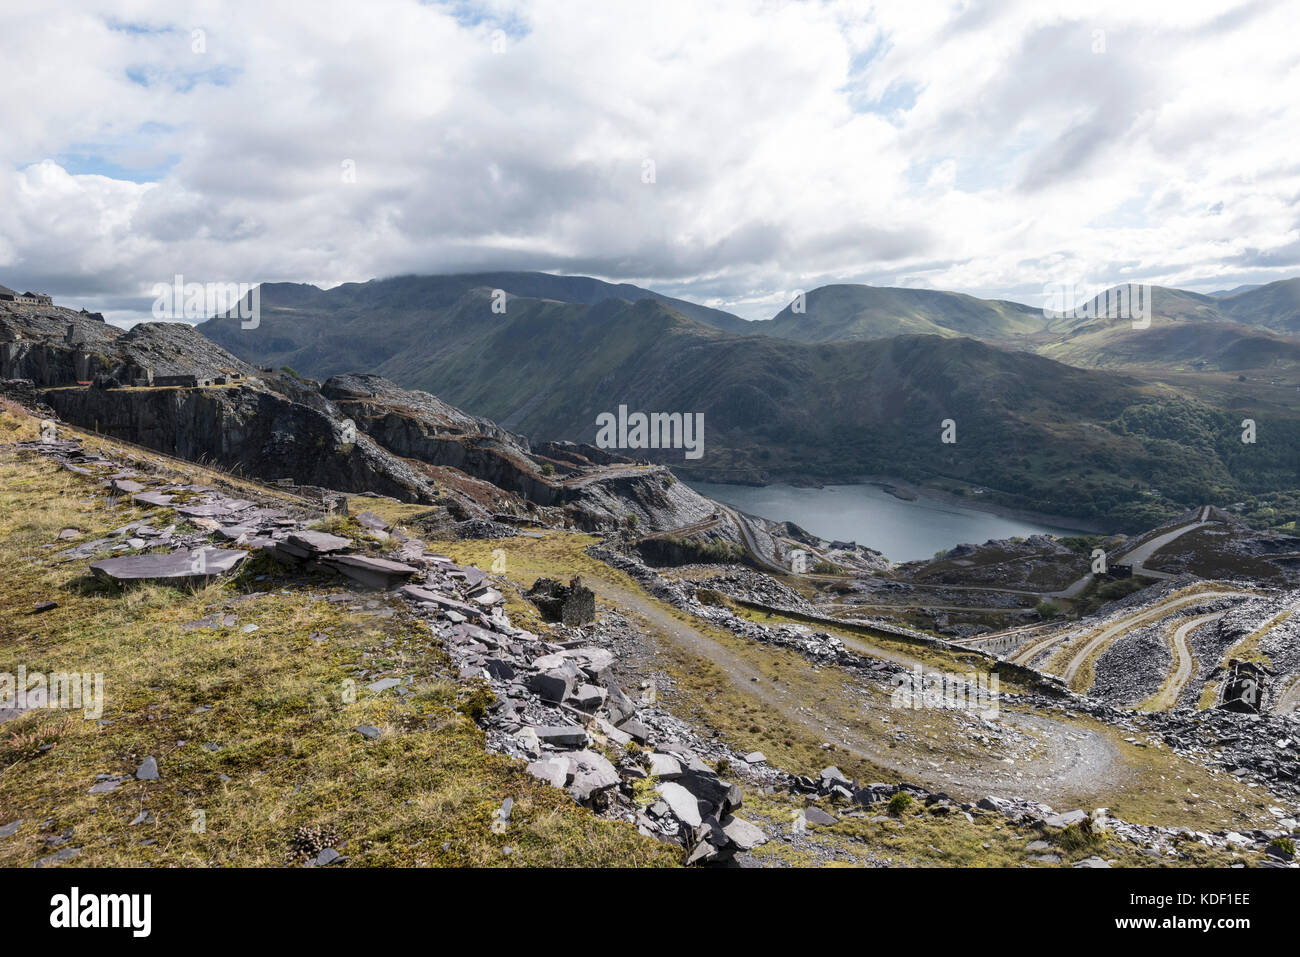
{"x": 731, "y": 152}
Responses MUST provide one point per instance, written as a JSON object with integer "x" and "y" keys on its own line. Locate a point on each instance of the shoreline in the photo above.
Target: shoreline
{"x": 910, "y": 492}
{"x": 975, "y": 503}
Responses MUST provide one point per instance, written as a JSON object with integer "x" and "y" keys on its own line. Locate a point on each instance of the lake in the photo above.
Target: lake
{"x": 903, "y": 531}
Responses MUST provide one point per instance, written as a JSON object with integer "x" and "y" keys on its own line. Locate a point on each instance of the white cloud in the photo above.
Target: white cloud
{"x": 982, "y": 147}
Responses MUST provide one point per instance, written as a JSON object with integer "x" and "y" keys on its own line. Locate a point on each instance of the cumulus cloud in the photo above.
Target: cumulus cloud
{"x": 732, "y": 152}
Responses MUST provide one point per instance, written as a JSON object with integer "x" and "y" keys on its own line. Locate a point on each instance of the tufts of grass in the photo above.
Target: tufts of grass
{"x": 900, "y": 803}
{"x": 253, "y": 731}
{"x": 345, "y": 526}
{"x": 1077, "y": 837}
{"x": 16, "y": 424}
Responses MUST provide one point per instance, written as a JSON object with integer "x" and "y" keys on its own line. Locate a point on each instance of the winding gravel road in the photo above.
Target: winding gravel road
{"x": 1180, "y": 668}
{"x": 1054, "y": 761}
{"x": 1109, "y": 634}
{"x": 1035, "y": 649}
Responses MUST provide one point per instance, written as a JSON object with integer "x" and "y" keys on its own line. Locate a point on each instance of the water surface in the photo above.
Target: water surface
{"x": 903, "y": 531}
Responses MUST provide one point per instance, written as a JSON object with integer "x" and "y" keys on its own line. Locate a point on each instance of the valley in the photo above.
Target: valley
{"x": 716, "y": 684}
{"x": 1088, "y": 419}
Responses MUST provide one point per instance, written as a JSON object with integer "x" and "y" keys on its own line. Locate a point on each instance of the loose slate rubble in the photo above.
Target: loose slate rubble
{"x": 560, "y": 709}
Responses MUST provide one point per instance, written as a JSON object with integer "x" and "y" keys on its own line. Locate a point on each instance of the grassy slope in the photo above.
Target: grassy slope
{"x": 357, "y": 326}
{"x": 1275, "y": 306}
{"x": 1218, "y": 346}
{"x": 287, "y": 751}
{"x": 1252, "y": 330}
{"x": 845, "y": 312}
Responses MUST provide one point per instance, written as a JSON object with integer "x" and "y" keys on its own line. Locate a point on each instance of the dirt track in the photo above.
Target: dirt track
{"x": 1180, "y": 668}
{"x": 1052, "y": 760}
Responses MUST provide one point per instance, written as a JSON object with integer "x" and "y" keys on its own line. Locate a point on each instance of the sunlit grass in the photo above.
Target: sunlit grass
{"x": 252, "y": 729}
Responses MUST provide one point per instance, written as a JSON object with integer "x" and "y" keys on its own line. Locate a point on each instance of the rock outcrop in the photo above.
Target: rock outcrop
{"x": 247, "y": 429}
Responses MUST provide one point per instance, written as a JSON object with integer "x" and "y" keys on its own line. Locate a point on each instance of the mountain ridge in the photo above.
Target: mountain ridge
{"x": 1034, "y": 432}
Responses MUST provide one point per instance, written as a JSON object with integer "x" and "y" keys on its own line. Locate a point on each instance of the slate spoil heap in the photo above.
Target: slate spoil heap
{"x": 556, "y": 703}
{"x": 558, "y": 706}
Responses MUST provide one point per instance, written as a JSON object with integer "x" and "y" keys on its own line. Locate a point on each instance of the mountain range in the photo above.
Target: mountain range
{"x": 1088, "y": 417}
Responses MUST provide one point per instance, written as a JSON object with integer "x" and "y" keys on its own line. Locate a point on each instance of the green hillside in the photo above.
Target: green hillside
{"x": 1274, "y": 306}
{"x": 1032, "y": 433}
{"x": 843, "y": 312}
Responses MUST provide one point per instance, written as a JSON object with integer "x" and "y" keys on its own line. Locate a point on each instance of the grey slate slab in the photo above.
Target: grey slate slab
{"x": 200, "y": 563}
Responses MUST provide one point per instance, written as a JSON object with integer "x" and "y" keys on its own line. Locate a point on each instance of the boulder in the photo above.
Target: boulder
{"x": 618, "y": 737}
{"x": 618, "y": 704}
{"x": 594, "y": 662}
{"x": 562, "y": 736}
{"x": 592, "y": 773}
{"x": 707, "y": 852}
{"x": 873, "y": 793}
{"x": 588, "y": 697}
{"x": 832, "y": 776}
{"x": 684, "y": 805}
{"x": 706, "y": 786}
{"x": 554, "y": 771}
{"x": 528, "y": 742}
{"x": 488, "y": 597}
{"x": 1001, "y": 805}
{"x": 500, "y": 668}
{"x": 308, "y": 544}
{"x": 664, "y": 766}
{"x": 815, "y": 815}
{"x": 1066, "y": 819}
{"x": 152, "y": 499}
{"x": 742, "y": 834}
{"x": 551, "y": 686}
{"x": 373, "y": 522}
{"x": 635, "y": 729}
